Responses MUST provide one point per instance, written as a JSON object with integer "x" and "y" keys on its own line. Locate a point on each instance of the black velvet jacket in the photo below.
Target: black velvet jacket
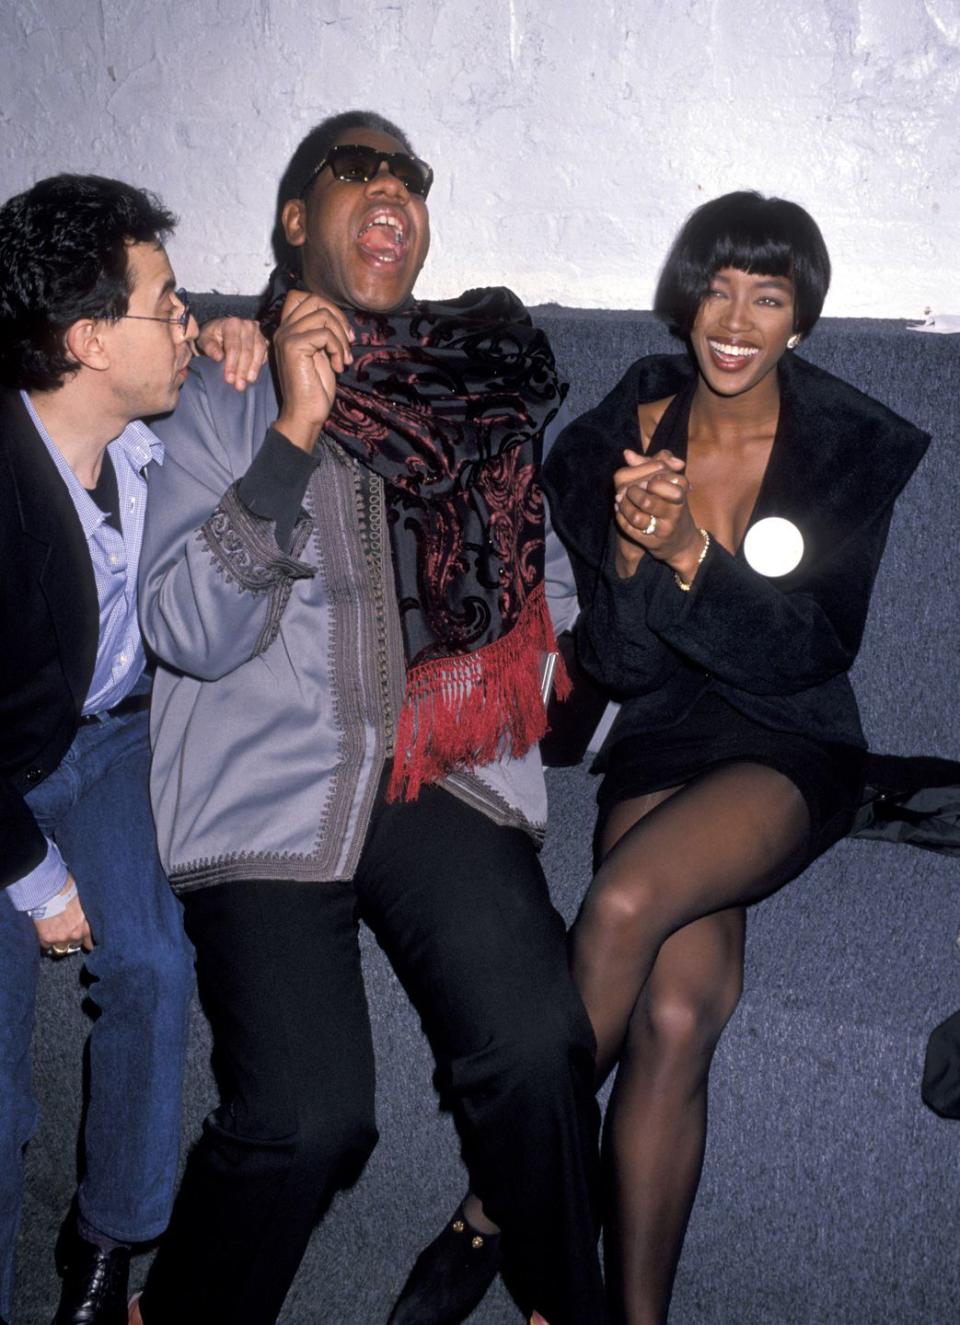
{"x": 777, "y": 649}
{"x": 49, "y": 618}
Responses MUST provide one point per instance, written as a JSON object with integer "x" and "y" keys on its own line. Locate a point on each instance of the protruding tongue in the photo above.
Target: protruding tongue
{"x": 380, "y": 240}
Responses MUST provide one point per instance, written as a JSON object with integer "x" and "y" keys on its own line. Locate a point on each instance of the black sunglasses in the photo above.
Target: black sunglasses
{"x": 356, "y": 164}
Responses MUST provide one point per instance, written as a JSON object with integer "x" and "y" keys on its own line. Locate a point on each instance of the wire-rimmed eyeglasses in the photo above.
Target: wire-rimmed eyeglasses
{"x": 182, "y": 319}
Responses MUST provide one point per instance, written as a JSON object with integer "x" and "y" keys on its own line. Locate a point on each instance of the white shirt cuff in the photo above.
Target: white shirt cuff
{"x": 42, "y": 883}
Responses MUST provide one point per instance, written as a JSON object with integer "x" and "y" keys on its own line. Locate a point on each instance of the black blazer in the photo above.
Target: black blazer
{"x": 777, "y": 649}
{"x": 50, "y": 621}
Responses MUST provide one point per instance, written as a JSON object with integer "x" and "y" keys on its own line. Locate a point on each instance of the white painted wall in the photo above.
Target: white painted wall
{"x": 569, "y": 138}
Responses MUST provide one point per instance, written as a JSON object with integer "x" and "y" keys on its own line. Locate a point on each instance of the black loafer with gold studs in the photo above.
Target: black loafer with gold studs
{"x": 449, "y": 1277}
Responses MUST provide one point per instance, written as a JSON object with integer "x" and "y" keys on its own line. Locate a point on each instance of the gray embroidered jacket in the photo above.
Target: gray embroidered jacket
{"x": 281, "y": 672}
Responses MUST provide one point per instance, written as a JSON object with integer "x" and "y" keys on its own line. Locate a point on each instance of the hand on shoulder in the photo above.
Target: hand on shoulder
{"x": 237, "y": 343}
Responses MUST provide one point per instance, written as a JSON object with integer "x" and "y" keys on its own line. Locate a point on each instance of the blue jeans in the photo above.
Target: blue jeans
{"x": 96, "y": 807}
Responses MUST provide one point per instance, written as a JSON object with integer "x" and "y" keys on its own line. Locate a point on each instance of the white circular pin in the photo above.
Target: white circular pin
{"x": 773, "y": 546}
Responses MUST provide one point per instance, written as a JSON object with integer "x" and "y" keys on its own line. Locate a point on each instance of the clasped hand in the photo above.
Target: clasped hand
{"x": 652, "y": 513}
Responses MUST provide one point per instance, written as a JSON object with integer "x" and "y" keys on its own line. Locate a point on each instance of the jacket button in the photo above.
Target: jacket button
{"x": 33, "y": 774}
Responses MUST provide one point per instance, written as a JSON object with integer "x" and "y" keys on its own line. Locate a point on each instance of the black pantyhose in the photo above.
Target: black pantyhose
{"x": 658, "y": 958}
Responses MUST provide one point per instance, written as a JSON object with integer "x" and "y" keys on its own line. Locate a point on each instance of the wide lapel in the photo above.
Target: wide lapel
{"x": 579, "y": 470}
{"x": 807, "y": 480}
{"x": 54, "y": 541}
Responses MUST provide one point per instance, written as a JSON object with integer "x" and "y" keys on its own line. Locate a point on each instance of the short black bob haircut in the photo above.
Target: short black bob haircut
{"x": 764, "y": 236}
{"x": 63, "y": 257}
{"x": 306, "y": 157}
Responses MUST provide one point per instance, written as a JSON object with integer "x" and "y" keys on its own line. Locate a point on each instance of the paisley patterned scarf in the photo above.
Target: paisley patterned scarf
{"x": 447, "y": 403}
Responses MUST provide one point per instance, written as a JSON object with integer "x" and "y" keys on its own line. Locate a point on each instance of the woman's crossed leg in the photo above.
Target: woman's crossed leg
{"x": 657, "y": 954}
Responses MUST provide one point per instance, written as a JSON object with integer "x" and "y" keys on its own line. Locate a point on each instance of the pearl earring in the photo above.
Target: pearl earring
{"x": 793, "y": 342}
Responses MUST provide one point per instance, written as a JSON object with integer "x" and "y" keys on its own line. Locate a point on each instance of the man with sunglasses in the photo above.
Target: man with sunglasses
{"x": 343, "y": 582}
{"x": 93, "y": 337}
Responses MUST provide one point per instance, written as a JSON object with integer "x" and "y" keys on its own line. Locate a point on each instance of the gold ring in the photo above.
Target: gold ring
{"x": 63, "y": 949}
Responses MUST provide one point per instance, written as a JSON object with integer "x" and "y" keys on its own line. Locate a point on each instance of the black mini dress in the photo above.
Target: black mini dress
{"x": 714, "y": 732}
{"x": 828, "y": 776}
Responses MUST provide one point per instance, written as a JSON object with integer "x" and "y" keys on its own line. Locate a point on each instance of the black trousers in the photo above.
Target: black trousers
{"x": 461, "y": 908}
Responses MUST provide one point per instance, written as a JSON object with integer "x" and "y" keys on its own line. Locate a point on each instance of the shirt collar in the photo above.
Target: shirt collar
{"x": 137, "y": 444}
{"x": 140, "y": 443}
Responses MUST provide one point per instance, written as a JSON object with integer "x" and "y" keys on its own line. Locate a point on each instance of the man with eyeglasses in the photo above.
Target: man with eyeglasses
{"x": 343, "y": 580}
{"x": 93, "y": 337}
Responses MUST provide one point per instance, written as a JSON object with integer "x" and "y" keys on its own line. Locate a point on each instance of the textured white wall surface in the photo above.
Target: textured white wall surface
{"x": 569, "y": 139}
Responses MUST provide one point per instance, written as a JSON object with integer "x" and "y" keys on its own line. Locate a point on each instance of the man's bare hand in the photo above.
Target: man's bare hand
{"x": 66, "y": 930}
{"x": 237, "y": 343}
{"x": 311, "y": 345}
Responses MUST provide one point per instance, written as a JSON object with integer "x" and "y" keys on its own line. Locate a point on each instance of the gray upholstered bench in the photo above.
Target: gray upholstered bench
{"x": 829, "y": 1192}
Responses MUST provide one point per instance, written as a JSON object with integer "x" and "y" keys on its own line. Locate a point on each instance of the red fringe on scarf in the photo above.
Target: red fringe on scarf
{"x": 463, "y": 711}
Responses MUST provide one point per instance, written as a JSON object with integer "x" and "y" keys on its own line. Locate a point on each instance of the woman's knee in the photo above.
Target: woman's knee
{"x": 620, "y": 909}
{"x": 683, "y": 1022}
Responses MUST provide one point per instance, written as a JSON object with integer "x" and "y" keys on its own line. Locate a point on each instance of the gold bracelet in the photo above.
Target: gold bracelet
{"x": 683, "y": 584}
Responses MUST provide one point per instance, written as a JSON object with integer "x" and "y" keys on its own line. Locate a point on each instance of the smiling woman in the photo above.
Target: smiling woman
{"x": 745, "y": 322}
{"x": 750, "y": 496}
{"x": 768, "y": 237}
